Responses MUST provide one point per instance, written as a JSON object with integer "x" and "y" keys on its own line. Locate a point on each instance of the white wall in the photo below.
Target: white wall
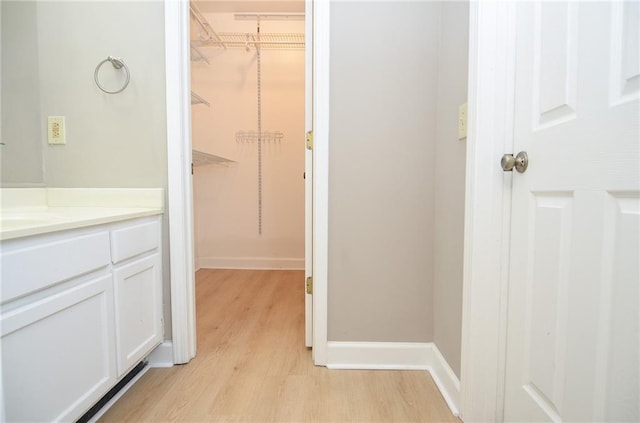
{"x": 448, "y": 241}
{"x": 226, "y": 196}
{"x": 384, "y": 75}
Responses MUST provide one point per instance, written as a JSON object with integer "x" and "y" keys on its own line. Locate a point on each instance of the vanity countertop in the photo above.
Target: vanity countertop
{"x": 34, "y": 211}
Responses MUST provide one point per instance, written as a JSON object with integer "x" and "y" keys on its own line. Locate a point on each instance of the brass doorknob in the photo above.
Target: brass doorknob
{"x": 520, "y": 162}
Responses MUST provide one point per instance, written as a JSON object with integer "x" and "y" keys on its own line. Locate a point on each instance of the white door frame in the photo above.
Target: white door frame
{"x": 179, "y": 183}
{"x": 320, "y": 37}
{"x": 180, "y": 194}
{"x": 487, "y": 209}
{"x": 308, "y": 171}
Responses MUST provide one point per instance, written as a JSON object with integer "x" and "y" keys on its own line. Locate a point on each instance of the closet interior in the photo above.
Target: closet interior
{"x": 247, "y": 77}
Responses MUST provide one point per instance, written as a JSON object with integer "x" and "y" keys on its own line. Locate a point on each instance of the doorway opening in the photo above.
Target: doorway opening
{"x": 248, "y": 125}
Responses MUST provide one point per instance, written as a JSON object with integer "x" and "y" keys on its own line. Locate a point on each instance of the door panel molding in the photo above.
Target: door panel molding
{"x": 624, "y": 67}
{"x": 620, "y": 275}
{"x": 545, "y": 344}
{"x": 555, "y": 63}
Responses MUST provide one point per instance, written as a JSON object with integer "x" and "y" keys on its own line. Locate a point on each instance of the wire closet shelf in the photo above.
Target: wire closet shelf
{"x": 250, "y": 41}
{"x": 209, "y": 37}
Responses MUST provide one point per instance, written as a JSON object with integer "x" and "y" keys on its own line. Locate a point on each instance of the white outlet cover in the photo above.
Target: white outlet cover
{"x": 56, "y": 130}
{"x": 462, "y": 121}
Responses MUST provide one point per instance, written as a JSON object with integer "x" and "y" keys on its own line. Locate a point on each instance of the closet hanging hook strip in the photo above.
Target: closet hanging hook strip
{"x": 117, "y": 63}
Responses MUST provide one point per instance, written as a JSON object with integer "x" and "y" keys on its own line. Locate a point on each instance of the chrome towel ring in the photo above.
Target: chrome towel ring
{"x": 117, "y": 63}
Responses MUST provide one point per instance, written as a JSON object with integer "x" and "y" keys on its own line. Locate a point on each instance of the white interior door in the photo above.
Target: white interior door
{"x": 573, "y": 319}
{"x": 308, "y": 171}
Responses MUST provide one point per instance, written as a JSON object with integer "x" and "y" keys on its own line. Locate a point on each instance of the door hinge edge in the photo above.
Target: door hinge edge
{"x": 309, "y": 285}
{"x": 309, "y": 140}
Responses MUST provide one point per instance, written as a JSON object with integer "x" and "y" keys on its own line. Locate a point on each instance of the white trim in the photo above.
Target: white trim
{"x": 257, "y": 263}
{"x": 321, "y": 31}
{"x": 180, "y": 190}
{"x": 487, "y": 209}
{"x": 398, "y": 356}
{"x": 308, "y": 170}
{"x": 161, "y": 356}
{"x": 378, "y": 355}
{"x": 445, "y": 379}
{"x": 180, "y": 194}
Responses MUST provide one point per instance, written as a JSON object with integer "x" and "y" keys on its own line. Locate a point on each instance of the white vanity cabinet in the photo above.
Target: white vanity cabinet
{"x": 78, "y": 309}
{"x": 137, "y": 285}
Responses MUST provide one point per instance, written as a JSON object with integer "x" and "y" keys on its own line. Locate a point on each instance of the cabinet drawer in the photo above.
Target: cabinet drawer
{"x": 135, "y": 239}
{"x": 38, "y": 264}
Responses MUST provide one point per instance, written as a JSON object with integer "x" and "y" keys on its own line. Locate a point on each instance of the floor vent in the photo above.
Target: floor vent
{"x": 86, "y": 417}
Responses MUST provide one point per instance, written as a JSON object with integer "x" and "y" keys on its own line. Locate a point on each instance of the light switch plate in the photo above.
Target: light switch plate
{"x": 462, "y": 121}
{"x": 56, "y": 130}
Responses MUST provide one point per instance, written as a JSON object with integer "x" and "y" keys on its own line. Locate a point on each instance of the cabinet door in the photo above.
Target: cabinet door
{"x": 58, "y": 353}
{"x": 138, "y": 310}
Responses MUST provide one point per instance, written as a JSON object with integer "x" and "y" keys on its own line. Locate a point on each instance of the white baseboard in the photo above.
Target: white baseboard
{"x": 162, "y": 356}
{"x": 377, "y": 355}
{"x": 398, "y": 356}
{"x": 254, "y": 263}
{"x": 445, "y": 379}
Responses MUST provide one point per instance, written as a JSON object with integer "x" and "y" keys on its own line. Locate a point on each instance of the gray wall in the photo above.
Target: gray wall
{"x": 448, "y": 241}
{"x": 396, "y": 184}
{"x": 381, "y": 160}
{"x": 21, "y": 156}
{"x": 50, "y": 50}
{"x": 112, "y": 140}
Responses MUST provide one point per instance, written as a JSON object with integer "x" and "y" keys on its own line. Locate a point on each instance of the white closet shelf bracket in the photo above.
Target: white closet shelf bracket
{"x": 208, "y": 32}
{"x": 200, "y": 158}
{"x": 196, "y": 99}
{"x": 197, "y": 55}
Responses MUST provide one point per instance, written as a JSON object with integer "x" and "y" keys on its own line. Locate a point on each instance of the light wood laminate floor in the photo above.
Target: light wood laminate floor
{"x": 252, "y": 366}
